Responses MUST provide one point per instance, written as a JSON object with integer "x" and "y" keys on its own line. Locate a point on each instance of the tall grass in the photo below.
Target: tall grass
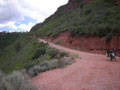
{"x": 15, "y": 81}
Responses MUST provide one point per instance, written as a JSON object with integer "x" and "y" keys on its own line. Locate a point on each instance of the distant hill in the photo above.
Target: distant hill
{"x": 8, "y": 38}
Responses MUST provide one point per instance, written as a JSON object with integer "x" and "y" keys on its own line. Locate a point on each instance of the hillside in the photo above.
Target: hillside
{"x": 95, "y": 20}
{"x": 17, "y": 54}
{"x": 29, "y": 55}
{"x": 8, "y": 38}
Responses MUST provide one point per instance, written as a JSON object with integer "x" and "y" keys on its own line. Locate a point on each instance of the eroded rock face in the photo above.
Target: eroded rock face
{"x": 83, "y": 43}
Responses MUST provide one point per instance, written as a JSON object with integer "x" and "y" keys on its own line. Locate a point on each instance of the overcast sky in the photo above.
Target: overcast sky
{"x": 21, "y": 15}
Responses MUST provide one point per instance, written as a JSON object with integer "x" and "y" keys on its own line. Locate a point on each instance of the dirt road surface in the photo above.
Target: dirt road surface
{"x": 91, "y": 72}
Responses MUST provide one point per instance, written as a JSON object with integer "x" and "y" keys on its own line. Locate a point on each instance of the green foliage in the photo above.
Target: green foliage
{"x": 74, "y": 55}
{"x": 79, "y": 0}
{"x": 52, "y": 52}
{"x": 63, "y": 54}
{"x": 108, "y": 37}
{"x": 39, "y": 52}
{"x": 48, "y": 65}
{"x": 1, "y": 77}
{"x": 95, "y": 18}
{"x": 8, "y": 38}
{"x": 16, "y": 81}
{"x": 18, "y": 47}
{"x": 10, "y": 60}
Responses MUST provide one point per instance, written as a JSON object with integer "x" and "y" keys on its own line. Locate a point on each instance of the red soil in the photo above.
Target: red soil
{"x": 92, "y": 44}
{"x": 92, "y": 72}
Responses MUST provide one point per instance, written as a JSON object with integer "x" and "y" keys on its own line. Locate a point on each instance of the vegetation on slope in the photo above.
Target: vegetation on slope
{"x": 25, "y": 57}
{"x": 8, "y": 38}
{"x": 95, "y": 18}
{"x": 15, "y": 81}
{"x": 26, "y": 53}
{"x": 13, "y": 59}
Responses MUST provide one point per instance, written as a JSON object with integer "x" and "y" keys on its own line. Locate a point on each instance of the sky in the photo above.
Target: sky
{"x": 21, "y": 15}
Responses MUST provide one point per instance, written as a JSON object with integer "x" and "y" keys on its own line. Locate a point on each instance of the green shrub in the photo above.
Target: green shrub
{"x": 74, "y": 55}
{"x": 39, "y": 52}
{"x": 41, "y": 44}
{"x": 52, "y": 52}
{"x": 1, "y": 76}
{"x": 48, "y": 65}
{"x": 64, "y": 61}
{"x": 18, "y": 47}
{"x": 16, "y": 81}
{"x": 79, "y": 0}
{"x": 46, "y": 57}
{"x": 63, "y": 54}
{"x": 108, "y": 37}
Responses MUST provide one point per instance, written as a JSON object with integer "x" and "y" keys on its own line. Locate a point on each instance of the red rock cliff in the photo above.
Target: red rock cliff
{"x": 96, "y": 44}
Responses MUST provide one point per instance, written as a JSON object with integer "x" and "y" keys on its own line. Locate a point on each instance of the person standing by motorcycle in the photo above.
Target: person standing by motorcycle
{"x": 112, "y": 54}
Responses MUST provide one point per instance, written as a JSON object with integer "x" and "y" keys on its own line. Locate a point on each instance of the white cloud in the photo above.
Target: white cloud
{"x": 12, "y": 11}
{"x": 26, "y": 27}
{"x": 11, "y": 31}
{"x": 10, "y": 25}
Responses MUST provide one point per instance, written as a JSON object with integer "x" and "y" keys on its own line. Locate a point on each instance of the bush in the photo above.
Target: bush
{"x": 46, "y": 57}
{"x": 79, "y": 0}
{"x": 62, "y": 54}
{"x": 41, "y": 44}
{"x": 18, "y": 47}
{"x": 16, "y": 81}
{"x": 52, "y": 52}
{"x": 108, "y": 37}
{"x": 31, "y": 72}
{"x": 1, "y": 76}
{"x": 39, "y": 52}
{"x": 48, "y": 65}
{"x": 74, "y": 55}
{"x": 64, "y": 61}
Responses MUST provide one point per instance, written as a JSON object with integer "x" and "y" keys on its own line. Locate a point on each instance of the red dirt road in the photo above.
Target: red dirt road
{"x": 91, "y": 72}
